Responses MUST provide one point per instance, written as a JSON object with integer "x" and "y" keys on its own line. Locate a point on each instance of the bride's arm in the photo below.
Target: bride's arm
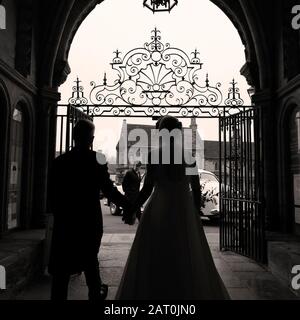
{"x": 196, "y": 187}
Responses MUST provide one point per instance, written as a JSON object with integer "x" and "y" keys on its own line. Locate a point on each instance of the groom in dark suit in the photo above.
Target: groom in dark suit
{"x": 75, "y": 183}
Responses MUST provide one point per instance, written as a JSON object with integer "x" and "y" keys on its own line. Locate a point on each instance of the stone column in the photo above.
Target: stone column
{"x": 268, "y": 146}
{"x": 44, "y": 151}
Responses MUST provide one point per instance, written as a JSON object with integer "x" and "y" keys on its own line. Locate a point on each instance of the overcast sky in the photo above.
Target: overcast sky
{"x": 125, "y": 25}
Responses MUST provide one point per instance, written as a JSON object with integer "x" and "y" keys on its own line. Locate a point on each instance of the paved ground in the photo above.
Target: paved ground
{"x": 243, "y": 278}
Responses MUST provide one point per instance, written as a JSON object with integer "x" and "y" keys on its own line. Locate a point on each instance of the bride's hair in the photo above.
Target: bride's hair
{"x": 169, "y": 123}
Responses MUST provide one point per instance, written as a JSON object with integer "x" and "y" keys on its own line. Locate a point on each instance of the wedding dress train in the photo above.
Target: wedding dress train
{"x": 170, "y": 257}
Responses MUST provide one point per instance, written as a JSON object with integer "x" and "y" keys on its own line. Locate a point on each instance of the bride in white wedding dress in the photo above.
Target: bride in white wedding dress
{"x": 170, "y": 257}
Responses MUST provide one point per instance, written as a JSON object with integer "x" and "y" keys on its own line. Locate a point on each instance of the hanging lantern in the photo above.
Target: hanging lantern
{"x": 160, "y": 5}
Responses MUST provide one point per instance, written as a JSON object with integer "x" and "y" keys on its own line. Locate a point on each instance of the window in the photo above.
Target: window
{"x": 2, "y": 18}
{"x": 295, "y": 166}
{"x": 15, "y": 169}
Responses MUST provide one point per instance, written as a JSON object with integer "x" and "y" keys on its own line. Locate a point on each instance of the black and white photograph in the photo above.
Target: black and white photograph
{"x": 149, "y": 152}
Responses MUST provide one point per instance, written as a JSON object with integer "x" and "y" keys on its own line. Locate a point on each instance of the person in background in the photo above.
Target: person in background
{"x": 131, "y": 187}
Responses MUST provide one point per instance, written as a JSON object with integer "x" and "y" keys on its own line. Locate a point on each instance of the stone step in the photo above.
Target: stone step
{"x": 21, "y": 254}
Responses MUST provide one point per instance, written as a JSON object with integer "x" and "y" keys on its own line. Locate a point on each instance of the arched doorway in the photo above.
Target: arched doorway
{"x": 16, "y": 168}
{"x": 255, "y": 69}
{"x": 18, "y": 184}
{"x": 294, "y": 168}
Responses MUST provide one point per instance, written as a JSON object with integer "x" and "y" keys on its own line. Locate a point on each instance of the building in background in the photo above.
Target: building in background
{"x": 212, "y": 156}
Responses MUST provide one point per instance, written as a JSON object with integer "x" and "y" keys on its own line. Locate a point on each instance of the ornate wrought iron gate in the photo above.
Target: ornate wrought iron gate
{"x": 157, "y": 80}
{"x": 241, "y": 206}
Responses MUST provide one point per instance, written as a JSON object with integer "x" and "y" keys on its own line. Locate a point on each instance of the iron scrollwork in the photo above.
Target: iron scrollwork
{"x": 156, "y": 80}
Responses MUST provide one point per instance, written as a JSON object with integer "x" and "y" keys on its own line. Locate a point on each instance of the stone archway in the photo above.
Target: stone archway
{"x": 256, "y": 70}
{"x": 19, "y": 160}
{"x": 243, "y": 15}
{"x": 69, "y": 16}
{"x": 286, "y": 214}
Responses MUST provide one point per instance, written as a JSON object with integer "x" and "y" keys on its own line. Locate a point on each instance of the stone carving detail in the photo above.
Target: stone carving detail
{"x": 61, "y": 71}
{"x": 250, "y": 72}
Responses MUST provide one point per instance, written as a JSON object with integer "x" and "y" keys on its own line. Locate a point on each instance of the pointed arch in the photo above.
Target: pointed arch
{"x": 240, "y": 14}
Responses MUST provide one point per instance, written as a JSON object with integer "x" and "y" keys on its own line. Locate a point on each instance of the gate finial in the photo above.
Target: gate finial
{"x": 234, "y": 97}
{"x": 78, "y": 98}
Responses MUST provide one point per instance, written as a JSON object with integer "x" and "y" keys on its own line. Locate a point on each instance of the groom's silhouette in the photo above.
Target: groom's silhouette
{"x": 75, "y": 184}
